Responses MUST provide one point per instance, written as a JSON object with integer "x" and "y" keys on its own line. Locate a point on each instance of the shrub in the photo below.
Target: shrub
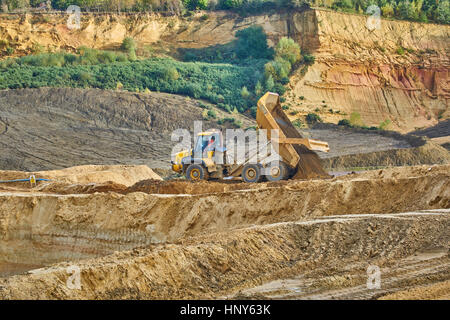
{"x": 269, "y": 83}
{"x": 344, "y": 122}
{"x": 9, "y": 51}
{"x": 313, "y": 118}
{"x": 129, "y": 45}
{"x": 212, "y": 114}
{"x": 297, "y": 123}
{"x": 400, "y": 51}
{"x": 355, "y": 119}
{"x": 384, "y": 124}
{"x": 196, "y": 4}
{"x": 308, "y": 59}
{"x": 252, "y": 43}
{"x": 244, "y": 92}
{"x": 287, "y": 49}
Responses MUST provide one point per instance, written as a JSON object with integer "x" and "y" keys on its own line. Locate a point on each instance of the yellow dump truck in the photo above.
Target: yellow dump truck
{"x": 296, "y": 157}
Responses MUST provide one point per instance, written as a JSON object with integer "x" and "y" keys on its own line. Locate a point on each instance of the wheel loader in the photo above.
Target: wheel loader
{"x": 296, "y": 157}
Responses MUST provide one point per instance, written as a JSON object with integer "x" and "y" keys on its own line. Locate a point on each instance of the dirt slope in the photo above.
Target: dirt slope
{"x": 360, "y": 70}
{"x": 37, "y": 228}
{"x": 54, "y": 128}
{"x": 69, "y": 127}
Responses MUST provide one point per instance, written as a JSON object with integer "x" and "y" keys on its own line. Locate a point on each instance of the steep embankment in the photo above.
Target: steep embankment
{"x": 397, "y": 72}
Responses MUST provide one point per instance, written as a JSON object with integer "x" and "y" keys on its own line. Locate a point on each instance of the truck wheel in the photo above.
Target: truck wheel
{"x": 196, "y": 172}
{"x": 251, "y": 173}
{"x": 276, "y": 171}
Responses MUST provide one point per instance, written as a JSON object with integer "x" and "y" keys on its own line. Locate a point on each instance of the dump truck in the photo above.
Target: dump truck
{"x": 295, "y": 156}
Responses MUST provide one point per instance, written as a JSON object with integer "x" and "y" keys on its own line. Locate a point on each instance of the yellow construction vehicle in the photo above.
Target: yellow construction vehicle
{"x": 296, "y": 155}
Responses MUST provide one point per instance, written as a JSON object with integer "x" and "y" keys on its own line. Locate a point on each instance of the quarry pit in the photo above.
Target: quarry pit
{"x": 293, "y": 239}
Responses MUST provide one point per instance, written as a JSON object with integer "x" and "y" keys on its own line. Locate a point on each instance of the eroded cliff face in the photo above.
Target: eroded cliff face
{"x": 397, "y": 72}
{"x": 356, "y": 69}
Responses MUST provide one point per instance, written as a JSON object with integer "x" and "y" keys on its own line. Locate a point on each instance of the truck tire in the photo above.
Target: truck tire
{"x": 251, "y": 173}
{"x": 276, "y": 171}
{"x": 196, "y": 172}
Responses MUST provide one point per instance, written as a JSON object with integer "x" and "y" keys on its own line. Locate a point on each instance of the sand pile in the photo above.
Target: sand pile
{"x": 89, "y": 174}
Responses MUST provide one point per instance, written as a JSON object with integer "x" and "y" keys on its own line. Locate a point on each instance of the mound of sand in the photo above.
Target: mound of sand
{"x": 89, "y": 174}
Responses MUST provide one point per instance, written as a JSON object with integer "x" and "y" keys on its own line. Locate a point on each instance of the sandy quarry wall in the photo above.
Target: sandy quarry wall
{"x": 46, "y": 228}
{"x": 210, "y": 266}
{"x": 359, "y": 70}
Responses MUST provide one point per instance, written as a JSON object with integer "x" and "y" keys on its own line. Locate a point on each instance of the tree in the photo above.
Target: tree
{"x": 269, "y": 83}
{"x": 196, "y": 4}
{"x": 258, "y": 89}
{"x": 288, "y": 50}
{"x": 252, "y": 43}
{"x": 244, "y": 92}
{"x": 443, "y": 12}
{"x": 387, "y": 10}
{"x": 129, "y": 46}
{"x": 230, "y": 4}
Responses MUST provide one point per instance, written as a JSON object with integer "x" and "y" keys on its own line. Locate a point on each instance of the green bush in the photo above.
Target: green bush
{"x": 212, "y": 114}
{"x": 288, "y": 50}
{"x": 252, "y": 43}
{"x": 309, "y": 59}
{"x": 384, "y": 124}
{"x": 196, "y": 4}
{"x": 355, "y": 119}
{"x": 129, "y": 45}
{"x": 400, "y": 51}
{"x": 344, "y": 122}
{"x": 297, "y": 123}
{"x": 313, "y": 118}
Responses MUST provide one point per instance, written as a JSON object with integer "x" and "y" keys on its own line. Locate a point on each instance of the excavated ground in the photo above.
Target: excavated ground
{"x": 58, "y": 130}
{"x": 327, "y": 257}
{"x": 175, "y": 239}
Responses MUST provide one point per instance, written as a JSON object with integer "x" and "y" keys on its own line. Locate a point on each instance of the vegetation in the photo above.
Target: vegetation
{"x": 251, "y": 45}
{"x": 233, "y": 87}
{"x": 358, "y": 124}
{"x": 414, "y": 10}
{"x": 218, "y": 83}
{"x": 297, "y": 123}
{"x": 384, "y": 124}
{"x": 355, "y": 119}
{"x": 313, "y": 118}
